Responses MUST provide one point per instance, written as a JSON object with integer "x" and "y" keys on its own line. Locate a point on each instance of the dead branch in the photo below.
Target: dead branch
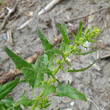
{"x": 10, "y": 11}
{"x": 80, "y": 17}
{"x": 49, "y": 6}
{"x": 93, "y": 103}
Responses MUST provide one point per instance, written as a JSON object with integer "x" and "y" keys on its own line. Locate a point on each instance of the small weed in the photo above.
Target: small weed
{"x": 34, "y": 73}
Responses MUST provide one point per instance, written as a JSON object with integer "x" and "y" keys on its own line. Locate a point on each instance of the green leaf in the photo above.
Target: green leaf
{"x": 85, "y": 53}
{"x": 42, "y": 61}
{"x": 63, "y": 31}
{"x": 18, "y": 108}
{"x": 2, "y": 107}
{"x": 44, "y": 41}
{"x": 80, "y": 30}
{"x": 64, "y": 47}
{"x": 29, "y": 75}
{"x": 7, "y": 88}
{"x": 79, "y": 70}
{"x": 43, "y": 103}
{"x": 7, "y": 103}
{"x": 37, "y": 83}
{"x": 70, "y": 92}
{"x": 43, "y": 70}
{"x": 19, "y": 62}
{"x": 48, "y": 89}
{"x": 52, "y": 52}
{"x": 24, "y": 101}
{"x": 1, "y": 2}
{"x": 74, "y": 36}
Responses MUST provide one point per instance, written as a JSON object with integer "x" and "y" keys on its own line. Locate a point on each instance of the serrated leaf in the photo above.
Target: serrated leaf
{"x": 83, "y": 69}
{"x": 7, "y": 88}
{"x": 29, "y": 75}
{"x": 80, "y": 30}
{"x": 70, "y": 92}
{"x": 19, "y": 62}
{"x": 48, "y": 89}
{"x": 46, "y": 44}
{"x": 24, "y": 101}
{"x": 63, "y": 31}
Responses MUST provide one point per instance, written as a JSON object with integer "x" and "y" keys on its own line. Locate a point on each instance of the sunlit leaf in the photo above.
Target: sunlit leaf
{"x": 44, "y": 41}
{"x": 70, "y": 92}
{"x": 63, "y": 31}
{"x": 80, "y": 30}
{"x": 29, "y": 75}
{"x": 19, "y": 62}
{"x": 42, "y": 61}
{"x": 24, "y": 101}
{"x": 48, "y": 89}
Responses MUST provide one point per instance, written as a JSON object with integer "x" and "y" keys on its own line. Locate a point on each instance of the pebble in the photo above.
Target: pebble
{"x": 3, "y": 37}
{"x": 72, "y": 103}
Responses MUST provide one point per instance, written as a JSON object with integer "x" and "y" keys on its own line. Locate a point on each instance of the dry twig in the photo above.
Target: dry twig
{"x": 84, "y": 16}
{"x": 10, "y": 11}
{"x": 93, "y": 103}
{"x": 49, "y": 6}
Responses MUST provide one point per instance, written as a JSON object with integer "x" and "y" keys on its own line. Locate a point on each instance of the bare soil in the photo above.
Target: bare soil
{"x": 94, "y": 82}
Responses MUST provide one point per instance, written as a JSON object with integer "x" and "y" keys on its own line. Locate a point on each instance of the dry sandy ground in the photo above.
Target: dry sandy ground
{"x": 95, "y": 82}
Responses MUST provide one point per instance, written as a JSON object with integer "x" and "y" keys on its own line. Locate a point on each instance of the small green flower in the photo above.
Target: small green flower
{"x": 58, "y": 61}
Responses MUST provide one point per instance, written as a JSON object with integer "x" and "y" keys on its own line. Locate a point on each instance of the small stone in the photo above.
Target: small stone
{"x": 29, "y": 60}
{"x": 3, "y": 37}
{"x": 72, "y": 103}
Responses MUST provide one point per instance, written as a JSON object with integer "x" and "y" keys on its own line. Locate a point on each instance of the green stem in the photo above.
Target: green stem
{"x": 50, "y": 80}
{"x": 33, "y": 93}
{"x": 36, "y": 101}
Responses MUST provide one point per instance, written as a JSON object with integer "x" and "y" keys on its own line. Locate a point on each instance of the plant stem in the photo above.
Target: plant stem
{"x": 54, "y": 73}
{"x": 49, "y": 81}
{"x": 36, "y": 101}
{"x": 33, "y": 93}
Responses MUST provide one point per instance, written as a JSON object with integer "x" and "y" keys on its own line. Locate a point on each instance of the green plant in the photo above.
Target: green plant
{"x": 1, "y": 2}
{"x": 34, "y": 74}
